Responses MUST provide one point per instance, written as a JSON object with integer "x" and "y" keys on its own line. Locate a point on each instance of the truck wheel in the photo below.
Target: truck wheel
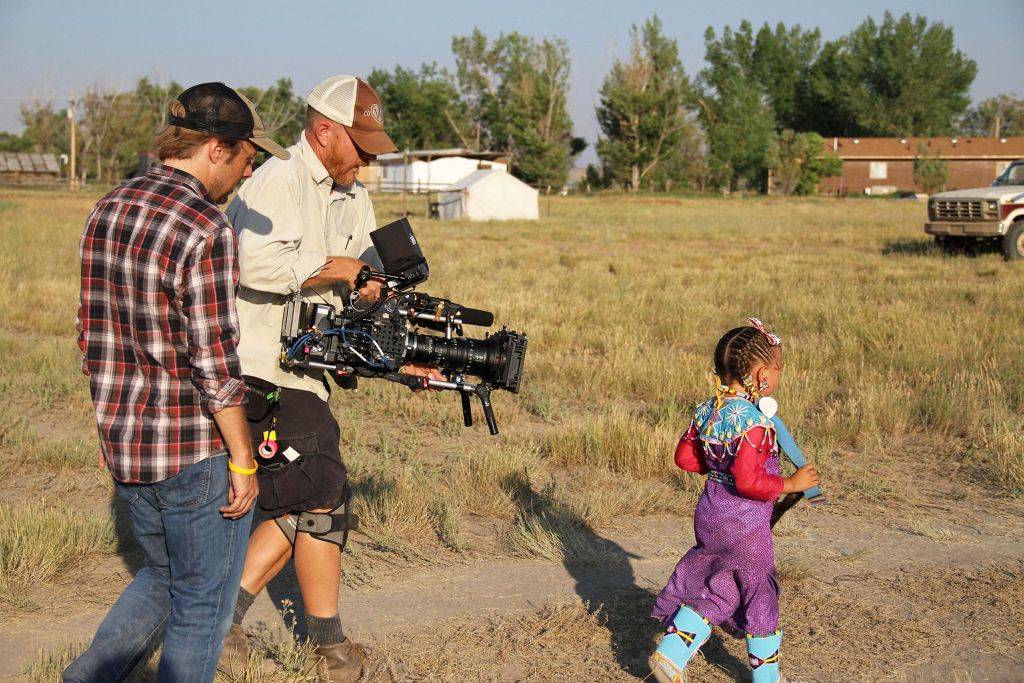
{"x": 1013, "y": 242}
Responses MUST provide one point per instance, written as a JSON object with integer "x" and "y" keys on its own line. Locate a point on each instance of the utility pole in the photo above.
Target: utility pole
{"x": 73, "y": 175}
{"x": 405, "y": 178}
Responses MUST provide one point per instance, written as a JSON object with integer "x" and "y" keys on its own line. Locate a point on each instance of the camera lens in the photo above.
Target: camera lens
{"x": 498, "y": 359}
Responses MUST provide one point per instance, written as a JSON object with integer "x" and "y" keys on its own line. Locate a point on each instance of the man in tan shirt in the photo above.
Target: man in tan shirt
{"x": 303, "y": 228}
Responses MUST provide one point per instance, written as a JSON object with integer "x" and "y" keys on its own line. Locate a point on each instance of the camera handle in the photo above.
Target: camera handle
{"x": 482, "y": 391}
{"x": 467, "y": 413}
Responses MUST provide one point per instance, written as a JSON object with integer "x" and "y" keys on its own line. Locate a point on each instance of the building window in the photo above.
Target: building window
{"x": 879, "y": 170}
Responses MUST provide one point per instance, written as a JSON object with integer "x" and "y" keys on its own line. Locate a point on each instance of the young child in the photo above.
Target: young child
{"x": 729, "y": 576}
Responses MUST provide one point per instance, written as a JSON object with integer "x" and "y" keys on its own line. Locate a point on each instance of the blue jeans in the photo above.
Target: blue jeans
{"x": 184, "y": 595}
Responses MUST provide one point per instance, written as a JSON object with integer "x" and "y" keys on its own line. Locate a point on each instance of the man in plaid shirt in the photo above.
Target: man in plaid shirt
{"x": 159, "y": 332}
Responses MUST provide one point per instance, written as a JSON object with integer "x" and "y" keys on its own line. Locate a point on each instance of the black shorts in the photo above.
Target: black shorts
{"x": 303, "y": 422}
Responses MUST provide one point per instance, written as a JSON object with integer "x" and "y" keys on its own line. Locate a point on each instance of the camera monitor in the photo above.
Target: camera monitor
{"x": 400, "y": 253}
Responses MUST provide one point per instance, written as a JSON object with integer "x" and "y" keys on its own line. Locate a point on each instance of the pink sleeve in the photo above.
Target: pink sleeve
{"x": 748, "y": 468}
{"x": 690, "y": 452}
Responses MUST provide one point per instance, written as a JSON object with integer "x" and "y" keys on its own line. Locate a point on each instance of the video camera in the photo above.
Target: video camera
{"x": 377, "y": 340}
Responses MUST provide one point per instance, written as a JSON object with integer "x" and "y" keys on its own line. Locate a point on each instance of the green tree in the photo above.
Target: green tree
{"x": 115, "y": 127}
{"x": 283, "y": 112}
{"x": 734, "y": 109}
{"x": 598, "y": 177}
{"x": 46, "y": 130}
{"x": 1002, "y": 112}
{"x": 819, "y": 164}
{"x": 930, "y": 171}
{"x": 114, "y": 131}
{"x": 781, "y": 63}
{"x": 422, "y": 110}
{"x": 152, "y": 100}
{"x": 687, "y": 164}
{"x": 799, "y": 161}
{"x": 515, "y": 91}
{"x": 12, "y": 142}
{"x": 902, "y": 77}
{"x": 477, "y": 69}
{"x": 642, "y": 111}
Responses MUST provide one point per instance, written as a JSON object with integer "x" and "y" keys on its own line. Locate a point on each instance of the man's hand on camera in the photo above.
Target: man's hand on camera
{"x": 345, "y": 270}
{"x": 423, "y": 371}
{"x": 370, "y": 292}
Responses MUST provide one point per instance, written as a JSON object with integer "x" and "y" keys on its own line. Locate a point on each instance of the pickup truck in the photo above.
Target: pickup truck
{"x": 989, "y": 214}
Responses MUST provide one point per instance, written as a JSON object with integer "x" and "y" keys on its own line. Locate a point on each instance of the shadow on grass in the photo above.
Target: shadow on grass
{"x": 927, "y": 247}
{"x": 605, "y": 581}
{"x": 905, "y": 247}
{"x": 715, "y": 652}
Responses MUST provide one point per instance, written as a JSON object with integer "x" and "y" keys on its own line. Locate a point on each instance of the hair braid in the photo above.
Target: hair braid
{"x": 737, "y": 352}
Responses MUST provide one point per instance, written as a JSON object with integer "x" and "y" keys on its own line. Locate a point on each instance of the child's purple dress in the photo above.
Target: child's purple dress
{"x": 729, "y": 576}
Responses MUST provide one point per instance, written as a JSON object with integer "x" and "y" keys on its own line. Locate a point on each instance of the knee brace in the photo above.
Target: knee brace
{"x": 764, "y": 657}
{"x": 332, "y": 526}
{"x": 687, "y": 633}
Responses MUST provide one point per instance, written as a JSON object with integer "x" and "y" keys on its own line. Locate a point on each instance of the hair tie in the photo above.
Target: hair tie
{"x": 773, "y": 339}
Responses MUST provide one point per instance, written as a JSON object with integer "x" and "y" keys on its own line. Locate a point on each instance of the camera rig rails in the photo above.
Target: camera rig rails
{"x": 377, "y": 339}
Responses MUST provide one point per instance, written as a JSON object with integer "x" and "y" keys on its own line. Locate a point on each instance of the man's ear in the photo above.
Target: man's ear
{"x": 322, "y": 132}
{"x": 216, "y": 150}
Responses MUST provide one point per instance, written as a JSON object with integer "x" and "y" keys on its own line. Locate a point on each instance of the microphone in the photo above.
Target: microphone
{"x": 474, "y": 316}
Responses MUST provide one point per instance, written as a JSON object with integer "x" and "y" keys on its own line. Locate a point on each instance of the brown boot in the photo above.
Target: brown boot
{"x": 343, "y": 662}
{"x": 235, "y": 655}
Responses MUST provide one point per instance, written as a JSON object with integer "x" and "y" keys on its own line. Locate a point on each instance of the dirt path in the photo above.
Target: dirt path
{"x": 866, "y": 597}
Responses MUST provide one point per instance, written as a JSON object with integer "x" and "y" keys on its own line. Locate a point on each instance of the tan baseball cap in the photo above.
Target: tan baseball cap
{"x": 351, "y": 102}
{"x": 223, "y": 112}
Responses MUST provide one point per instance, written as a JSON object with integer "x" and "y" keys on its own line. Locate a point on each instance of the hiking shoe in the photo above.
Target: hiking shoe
{"x": 343, "y": 662}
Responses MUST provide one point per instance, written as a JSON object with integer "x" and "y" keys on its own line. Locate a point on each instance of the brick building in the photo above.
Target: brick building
{"x": 886, "y": 165}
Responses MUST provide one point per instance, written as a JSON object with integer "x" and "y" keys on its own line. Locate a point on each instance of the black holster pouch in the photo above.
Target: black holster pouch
{"x": 314, "y": 480}
{"x": 260, "y": 404}
{"x": 308, "y": 482}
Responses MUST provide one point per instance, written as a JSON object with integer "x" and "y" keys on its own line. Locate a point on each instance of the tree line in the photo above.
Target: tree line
{"x": 114, "y": 128}
{"x": 761, "y": 106}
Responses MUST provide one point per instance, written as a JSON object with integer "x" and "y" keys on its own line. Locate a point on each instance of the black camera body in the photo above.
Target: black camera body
{"x": 376, "y": 340}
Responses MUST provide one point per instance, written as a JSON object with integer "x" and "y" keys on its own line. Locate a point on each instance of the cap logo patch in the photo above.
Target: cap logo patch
{"x": 374, "y": 111}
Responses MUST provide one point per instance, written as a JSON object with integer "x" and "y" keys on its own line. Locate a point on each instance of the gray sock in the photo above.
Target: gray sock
{"x": 324, "y": 631}
{"x": 245, "y": 599}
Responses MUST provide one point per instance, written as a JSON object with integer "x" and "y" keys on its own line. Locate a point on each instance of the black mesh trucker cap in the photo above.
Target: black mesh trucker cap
{"x": 220, "y": 111}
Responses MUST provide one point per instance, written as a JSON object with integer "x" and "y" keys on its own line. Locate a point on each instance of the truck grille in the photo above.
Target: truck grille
{"x": 958, "y": 210}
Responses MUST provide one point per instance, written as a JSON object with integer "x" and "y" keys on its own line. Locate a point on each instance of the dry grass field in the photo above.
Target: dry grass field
{"x": 534, "y": 555}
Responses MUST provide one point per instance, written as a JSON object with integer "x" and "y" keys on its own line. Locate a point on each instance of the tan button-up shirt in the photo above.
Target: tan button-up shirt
{"x": 289, "y": 218}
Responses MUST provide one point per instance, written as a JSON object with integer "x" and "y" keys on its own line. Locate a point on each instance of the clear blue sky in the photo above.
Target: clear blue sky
{"x": 49, "y": 49}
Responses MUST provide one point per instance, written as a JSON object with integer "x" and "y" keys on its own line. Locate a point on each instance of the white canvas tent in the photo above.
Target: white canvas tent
{"x": 426, "y": 170}
{"x": 488, "y": 195}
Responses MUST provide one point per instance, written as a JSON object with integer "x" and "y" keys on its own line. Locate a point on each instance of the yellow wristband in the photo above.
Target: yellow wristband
{"x": 241, "y": 470}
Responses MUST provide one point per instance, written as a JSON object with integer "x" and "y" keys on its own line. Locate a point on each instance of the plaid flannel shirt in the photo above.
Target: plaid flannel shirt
{"x": 157, "y": 324}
